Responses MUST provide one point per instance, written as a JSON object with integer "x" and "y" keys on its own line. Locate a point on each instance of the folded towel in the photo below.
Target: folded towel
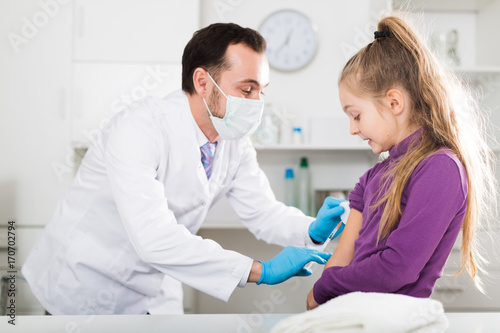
{"x": 369, "y": 312}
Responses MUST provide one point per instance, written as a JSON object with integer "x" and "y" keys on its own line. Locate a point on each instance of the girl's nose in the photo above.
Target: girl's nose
{"x": 353, "y": 128}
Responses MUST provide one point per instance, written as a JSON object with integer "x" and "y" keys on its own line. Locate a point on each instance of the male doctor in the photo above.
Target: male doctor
{"x": 123, "y": 238}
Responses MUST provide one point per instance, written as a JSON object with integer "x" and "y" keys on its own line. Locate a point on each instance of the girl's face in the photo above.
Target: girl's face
{"x": 375, "y": 123}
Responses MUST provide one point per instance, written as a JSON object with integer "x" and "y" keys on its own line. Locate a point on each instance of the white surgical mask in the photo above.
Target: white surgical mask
{"x": 242, "y": 116}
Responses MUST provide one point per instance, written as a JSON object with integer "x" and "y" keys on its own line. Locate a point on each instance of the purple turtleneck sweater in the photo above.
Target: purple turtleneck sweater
{"x": 412, "y": 258}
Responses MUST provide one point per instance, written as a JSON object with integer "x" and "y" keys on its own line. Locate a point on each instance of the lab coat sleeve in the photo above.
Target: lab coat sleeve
{"x": 132, "y": 157}
{"x": 254, "y": 202}
{"x": 437, "y": 193}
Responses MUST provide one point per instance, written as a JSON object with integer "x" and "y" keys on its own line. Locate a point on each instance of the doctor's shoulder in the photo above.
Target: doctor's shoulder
{"x": 137, "y": 117}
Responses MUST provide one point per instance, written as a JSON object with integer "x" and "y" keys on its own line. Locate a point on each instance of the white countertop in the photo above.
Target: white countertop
{"x": 217, "y": 323}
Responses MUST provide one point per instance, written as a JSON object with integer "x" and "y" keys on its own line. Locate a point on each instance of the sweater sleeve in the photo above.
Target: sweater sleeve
{"x": 356, "y": 196}
{"x": 436, "y": 193}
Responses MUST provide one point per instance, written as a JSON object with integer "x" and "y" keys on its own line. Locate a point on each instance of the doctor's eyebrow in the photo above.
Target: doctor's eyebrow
{"x": 252, "y": 81}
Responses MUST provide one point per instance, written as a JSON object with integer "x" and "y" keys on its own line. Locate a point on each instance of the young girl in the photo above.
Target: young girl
{"x": 407, "y": 211}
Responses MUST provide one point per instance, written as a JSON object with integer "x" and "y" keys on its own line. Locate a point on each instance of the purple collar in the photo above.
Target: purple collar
{"x": 401, "y": 148}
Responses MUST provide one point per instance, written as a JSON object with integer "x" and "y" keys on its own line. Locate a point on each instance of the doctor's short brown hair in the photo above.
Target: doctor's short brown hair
{"x": 208, "y": 47}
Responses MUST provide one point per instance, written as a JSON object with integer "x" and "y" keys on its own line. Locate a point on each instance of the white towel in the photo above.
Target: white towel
{"x": 369, "y": 312}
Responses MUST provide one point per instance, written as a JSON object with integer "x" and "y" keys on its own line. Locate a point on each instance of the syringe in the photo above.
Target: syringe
{"x": 338, "y": 229}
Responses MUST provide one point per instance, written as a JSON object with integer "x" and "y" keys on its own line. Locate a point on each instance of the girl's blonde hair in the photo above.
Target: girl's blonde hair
{"x": 444, "y": 108}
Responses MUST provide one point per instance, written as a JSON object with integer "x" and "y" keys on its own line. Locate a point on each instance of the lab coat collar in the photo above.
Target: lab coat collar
{"x": 201, "y": 138}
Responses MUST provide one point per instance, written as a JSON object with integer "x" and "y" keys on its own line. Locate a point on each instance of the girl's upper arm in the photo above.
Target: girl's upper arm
{"x": 344, "y": 252}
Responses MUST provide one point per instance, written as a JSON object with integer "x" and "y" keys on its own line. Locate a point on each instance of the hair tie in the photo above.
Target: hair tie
{"x": 381, "y": 34}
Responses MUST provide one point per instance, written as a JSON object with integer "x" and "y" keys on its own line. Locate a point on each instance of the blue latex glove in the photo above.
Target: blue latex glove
{"x": 328, "y": 218}
{"x": 290, "y": 262}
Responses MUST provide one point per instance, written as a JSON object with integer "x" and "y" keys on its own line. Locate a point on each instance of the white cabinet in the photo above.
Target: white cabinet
{"x": 125, "y": 50}
{"x": 35, "y": 62}
{"x": 488, "y": 27}
{"x": 133, "y": 30}
{"x": 25, "y": 301}
{"x": 103, "y": 89}
{"x": 457, "y": 293}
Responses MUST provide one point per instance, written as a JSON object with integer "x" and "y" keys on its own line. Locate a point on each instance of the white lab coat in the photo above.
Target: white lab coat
{"x": 123, "y": 236}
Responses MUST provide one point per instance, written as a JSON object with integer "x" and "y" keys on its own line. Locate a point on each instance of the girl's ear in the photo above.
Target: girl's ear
{"x": 200, "y": 81}
{"x": 396, "y": 100}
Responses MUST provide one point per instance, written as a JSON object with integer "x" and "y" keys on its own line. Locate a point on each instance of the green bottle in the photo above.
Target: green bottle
{"x": 304, "y": 187}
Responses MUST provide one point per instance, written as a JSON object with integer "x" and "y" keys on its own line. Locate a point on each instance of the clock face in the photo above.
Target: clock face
{"x": 291, "y": 40}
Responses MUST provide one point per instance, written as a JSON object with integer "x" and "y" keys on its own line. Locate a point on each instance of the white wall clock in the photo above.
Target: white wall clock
{"x": 291, "y": 39}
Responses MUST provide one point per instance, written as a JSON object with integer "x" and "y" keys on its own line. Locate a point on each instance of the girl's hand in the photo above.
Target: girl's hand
{"x": 311, "y": 302}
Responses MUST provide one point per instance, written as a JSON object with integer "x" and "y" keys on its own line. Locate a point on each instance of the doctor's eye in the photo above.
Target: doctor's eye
{"x": 246, "y": 91}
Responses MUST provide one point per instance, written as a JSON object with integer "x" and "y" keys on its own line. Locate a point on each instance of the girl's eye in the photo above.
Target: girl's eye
{"x": 356, "y": 118}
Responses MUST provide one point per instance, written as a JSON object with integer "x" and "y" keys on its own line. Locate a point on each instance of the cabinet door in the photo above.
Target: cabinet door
{"x": 35, "y": 62}
{"x": 103, "y": 89}
{"x": 134, "y": 30}
{"x": 458, "y": 293}
{"x": 26, "y": 302}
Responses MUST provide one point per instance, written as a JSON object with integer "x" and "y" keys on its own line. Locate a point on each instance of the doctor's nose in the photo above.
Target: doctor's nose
{"x": 257, "y": 96}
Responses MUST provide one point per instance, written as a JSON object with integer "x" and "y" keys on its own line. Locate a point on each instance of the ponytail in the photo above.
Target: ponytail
{"x": 442, "y": 106}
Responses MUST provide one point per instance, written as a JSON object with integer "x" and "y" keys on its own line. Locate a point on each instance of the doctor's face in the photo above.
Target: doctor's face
{"x": 247, "y": 76}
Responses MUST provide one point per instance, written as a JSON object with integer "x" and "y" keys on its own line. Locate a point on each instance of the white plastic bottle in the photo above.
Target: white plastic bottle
{"x": 290, "y": 188}
{"x": 304, "y": 187}
{"x": 297, "y": 136}
{"x": 285, "y": 132}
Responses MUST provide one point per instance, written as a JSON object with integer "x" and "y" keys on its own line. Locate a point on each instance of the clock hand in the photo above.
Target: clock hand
{"x": 287, "y": 40}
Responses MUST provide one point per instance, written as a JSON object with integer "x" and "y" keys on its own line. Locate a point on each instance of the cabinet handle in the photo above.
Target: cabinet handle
{"x": 80, "y": 21}
{"x": 78, "y": 103}
{"x": 449, "y": 290}
{"x": 63, "y": 100}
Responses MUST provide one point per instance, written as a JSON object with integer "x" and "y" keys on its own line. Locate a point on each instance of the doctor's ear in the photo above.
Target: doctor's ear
{"x": 200, "y": 78}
